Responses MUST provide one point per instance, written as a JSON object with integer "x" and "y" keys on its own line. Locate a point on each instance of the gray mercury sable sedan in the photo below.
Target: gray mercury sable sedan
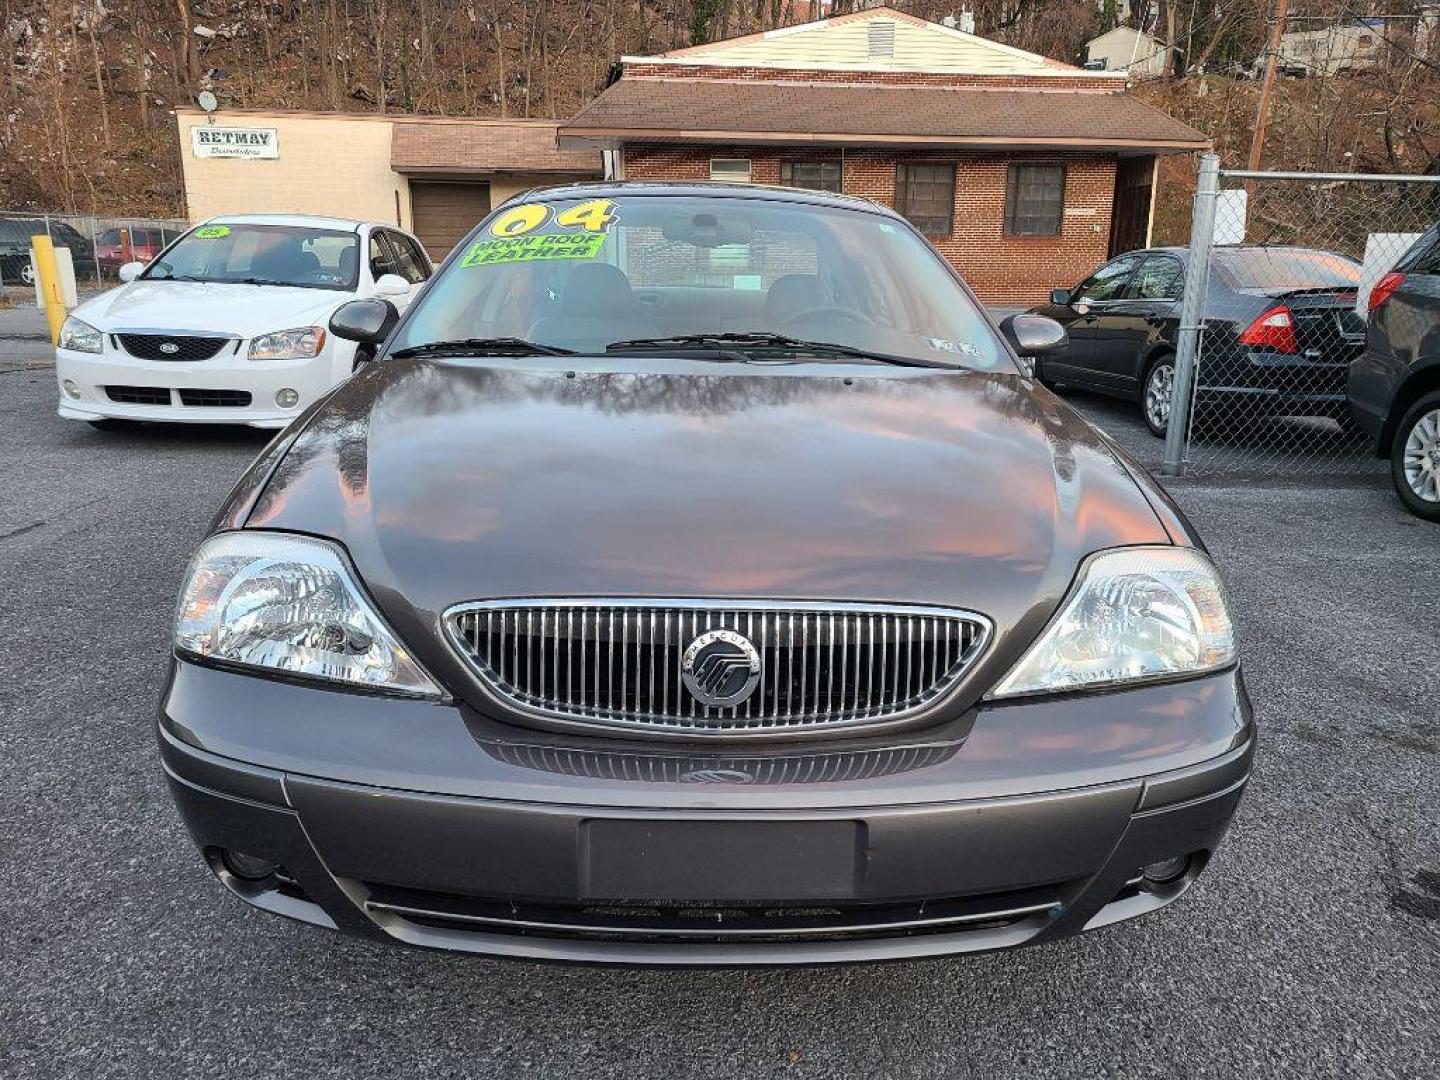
{"x": 697, "y": 575}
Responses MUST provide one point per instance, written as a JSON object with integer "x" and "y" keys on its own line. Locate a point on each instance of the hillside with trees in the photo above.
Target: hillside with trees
{"x": 89, "y": 84}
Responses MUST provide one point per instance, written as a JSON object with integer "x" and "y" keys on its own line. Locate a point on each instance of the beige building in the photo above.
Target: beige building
{"x": 1126, "y": 49}
{"x": 434, "y": 176}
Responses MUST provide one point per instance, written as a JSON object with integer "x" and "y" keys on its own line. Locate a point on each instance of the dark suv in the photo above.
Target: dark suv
{"x": 1395, "y": 383}
{"x": 15, "y": 234}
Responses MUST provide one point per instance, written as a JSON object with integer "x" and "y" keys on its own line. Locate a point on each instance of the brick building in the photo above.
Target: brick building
{"x": 1025, "y": 172}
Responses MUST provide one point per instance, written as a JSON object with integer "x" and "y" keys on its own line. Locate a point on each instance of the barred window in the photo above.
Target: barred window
{"x": 815, "y": 175}
{"x": 925, "y": 194}
{"x": 1034, "y": 200}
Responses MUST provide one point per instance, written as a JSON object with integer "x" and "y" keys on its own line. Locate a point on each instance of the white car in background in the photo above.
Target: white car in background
{"x": 228, "y": 325}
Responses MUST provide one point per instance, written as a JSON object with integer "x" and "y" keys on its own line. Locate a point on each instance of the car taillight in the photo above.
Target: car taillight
{"x": 1384, "y": 288}
{"x": 1273, "y": 330}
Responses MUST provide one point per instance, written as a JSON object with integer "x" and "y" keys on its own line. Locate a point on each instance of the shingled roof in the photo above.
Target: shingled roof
{"x": 870, "y": 114}
{"x": 420, "y": 147}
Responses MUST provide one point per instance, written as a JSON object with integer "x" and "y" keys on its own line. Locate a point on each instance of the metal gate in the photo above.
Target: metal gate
{"x": 1274, "y": 309}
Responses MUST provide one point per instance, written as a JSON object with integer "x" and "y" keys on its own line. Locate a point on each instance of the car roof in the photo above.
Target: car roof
{"x": 312, "y": 220}
{"x": 598, "y": 189}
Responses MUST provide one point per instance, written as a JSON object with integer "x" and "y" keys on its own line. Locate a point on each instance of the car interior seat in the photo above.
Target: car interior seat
{"x": 597, "y": 306}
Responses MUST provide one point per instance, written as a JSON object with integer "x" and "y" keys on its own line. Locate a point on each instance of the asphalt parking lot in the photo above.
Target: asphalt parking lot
{"x": 1311, "y": 947}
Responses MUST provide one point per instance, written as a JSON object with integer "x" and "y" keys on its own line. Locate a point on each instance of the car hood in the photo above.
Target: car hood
{"x": 452, "y": 481}
{"x": 237, "y": 310}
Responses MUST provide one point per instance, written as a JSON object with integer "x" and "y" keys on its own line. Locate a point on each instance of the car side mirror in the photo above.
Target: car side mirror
{"x": 1060, "y": 297}
{"x": 367, "y": 321}
{"x": 1034, "y": 335}
{"x": 130, "y": 271}
{"x": 391, "y": 285}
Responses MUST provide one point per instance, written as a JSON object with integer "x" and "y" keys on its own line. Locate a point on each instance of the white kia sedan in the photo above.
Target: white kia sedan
{"x": 227, "y": 325}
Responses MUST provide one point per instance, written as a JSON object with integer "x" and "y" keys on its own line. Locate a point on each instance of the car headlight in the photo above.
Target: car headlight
{"x": 1133, "y": 614}
{"x": 301, "y": 343}
{"x": 292, "y": 605}
{"x": 80, "y": 336}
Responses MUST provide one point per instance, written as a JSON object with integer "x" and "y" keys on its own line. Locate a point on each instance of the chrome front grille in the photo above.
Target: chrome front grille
{"x": 619, "y": 663}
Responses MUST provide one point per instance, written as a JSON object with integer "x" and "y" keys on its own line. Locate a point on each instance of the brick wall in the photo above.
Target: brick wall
{"x": 1006, "y": 270}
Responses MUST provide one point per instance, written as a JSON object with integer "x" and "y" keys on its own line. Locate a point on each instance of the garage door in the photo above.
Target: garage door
{"x": 444, "y": 213}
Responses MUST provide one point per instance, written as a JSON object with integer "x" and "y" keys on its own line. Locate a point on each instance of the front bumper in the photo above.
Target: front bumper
{"x": 437, "y": 827}
{"x": 92, "y": 373}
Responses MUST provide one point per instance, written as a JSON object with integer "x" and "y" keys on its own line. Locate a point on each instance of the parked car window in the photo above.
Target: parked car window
{"x": 408, "y": 259}
{"x": 1424, "y": 255}
{"x": 1280, "y": 269}
{"x": 926, "y": 195}
{"x": 669, "y": 265}
{"x": 812, "y": 175}
{"x": 291, "y": 255}
{"x": 1160, "y": 278}
{"x": 382, "y": 261}
{"x": 1107, "y": 282}
{"x": 1034, "y": 199}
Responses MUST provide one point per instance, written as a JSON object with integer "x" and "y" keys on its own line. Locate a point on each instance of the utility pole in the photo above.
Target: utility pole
{"x": 1272, "y": 59}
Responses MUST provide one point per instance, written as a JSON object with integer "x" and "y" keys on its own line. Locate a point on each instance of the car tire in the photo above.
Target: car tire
{"x": 1415, "y": 458}
{"x": 27, "y": 272}
{"x": 111, "y": 423}
{"x": 1159, "y": 381}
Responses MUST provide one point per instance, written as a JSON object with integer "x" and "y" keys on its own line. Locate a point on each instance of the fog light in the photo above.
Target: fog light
{"x": 1166, "y": 870}
{"x": 286, "y": 398}
{"x": 248, "y": 867}
{"x": 71, "y": 390}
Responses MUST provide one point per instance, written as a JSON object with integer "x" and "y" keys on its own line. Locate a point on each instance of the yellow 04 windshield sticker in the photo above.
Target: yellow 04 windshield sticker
{"x": 516, "y": 239}
{"x": 211, "y": 232}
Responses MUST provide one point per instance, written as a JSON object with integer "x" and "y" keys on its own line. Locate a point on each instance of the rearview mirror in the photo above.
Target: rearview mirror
{"x": 1034, "y": 335}
{"x": 1060, "y": 297}
{"x": 367, "y": 321}
{"x": 130, "y": 271}
{"x": 391, "y": 285}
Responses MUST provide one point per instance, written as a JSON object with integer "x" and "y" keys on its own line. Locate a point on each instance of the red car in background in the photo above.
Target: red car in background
{"x": 143, "y": 245}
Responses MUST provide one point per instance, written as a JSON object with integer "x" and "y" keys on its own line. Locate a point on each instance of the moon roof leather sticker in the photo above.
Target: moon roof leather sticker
{"x": 513, "y": 235}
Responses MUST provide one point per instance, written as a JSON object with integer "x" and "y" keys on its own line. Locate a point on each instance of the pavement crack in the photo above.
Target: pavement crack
{"x": 21, "y": 531}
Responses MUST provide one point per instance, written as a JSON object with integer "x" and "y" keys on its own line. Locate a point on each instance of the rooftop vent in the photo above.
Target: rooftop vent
{"x": 882, "y": 38}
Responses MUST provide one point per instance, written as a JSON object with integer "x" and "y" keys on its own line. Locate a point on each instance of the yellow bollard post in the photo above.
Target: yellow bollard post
{"x": 49, "y": 284}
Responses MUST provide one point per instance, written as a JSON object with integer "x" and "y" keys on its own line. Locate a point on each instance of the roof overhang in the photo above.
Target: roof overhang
{"x": 580, "y": 138}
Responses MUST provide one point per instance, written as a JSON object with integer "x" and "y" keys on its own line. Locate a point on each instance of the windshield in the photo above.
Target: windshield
{"x": 584, "y": 274}
{"x": 263, "y": 254}
{"x": 1285, "y": 269}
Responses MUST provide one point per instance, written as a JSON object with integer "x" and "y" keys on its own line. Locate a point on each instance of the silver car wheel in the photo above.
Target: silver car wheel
{"x": 27, "y": 273}
{"x": 1158, "y": 389}
{"x": 1421, "y": 459}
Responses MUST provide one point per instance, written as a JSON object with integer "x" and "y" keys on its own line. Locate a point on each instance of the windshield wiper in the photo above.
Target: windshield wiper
{"x": 174, "y": 277}
{"x": 490, "y": 346}
{"x": 759, "y": 339}
{"x": 256, "y": 281}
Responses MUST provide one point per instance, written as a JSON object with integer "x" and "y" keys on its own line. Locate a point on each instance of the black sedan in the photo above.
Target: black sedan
{"x": 698, "y": 577}
{"x": 1280, "y": 331}
{"x": 1395, "y": 384}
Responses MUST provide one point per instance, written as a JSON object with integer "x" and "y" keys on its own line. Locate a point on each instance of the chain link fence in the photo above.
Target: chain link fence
{"x": 98, "y": 246}
{"x": 1274, "y": 311}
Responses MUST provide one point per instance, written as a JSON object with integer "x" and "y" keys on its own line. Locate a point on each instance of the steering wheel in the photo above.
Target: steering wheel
{"x": 829, "y": 311}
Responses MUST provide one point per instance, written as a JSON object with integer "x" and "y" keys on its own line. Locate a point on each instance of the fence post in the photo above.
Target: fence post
{"x": 1192, "y": 315}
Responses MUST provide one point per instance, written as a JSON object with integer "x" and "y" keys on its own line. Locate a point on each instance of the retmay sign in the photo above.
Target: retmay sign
{"x": 211, "y": 141}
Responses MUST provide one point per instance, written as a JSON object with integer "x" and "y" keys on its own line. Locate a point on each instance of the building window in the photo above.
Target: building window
{"x": 925, "y": 194}
{"x": 735, "y": 170}
{"x": 815, "y": 175}
{"x": 1034, "y": 200}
